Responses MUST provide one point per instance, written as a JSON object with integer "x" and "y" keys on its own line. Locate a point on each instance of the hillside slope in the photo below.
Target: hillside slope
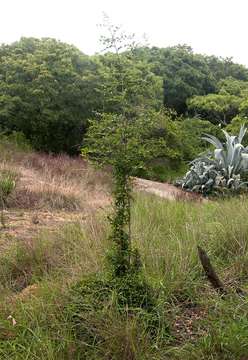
{"x": 55, "y": 234}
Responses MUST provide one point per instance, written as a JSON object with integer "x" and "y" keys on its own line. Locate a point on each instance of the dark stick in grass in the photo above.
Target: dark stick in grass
{"x": 212, "y": 276}
{"x": 210, "y": 272}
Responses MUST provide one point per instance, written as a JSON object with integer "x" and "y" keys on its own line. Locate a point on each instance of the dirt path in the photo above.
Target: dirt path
{"x": 164, "y": 190}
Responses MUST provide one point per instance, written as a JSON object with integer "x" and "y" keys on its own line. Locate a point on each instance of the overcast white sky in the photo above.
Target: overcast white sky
{"x": 216, "y": 27}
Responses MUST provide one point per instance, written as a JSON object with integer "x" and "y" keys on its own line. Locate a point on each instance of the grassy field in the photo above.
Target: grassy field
{"x": 43, "y": 256}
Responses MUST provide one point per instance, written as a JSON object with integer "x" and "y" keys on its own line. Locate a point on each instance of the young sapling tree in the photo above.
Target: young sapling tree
{"x": 124, "y": 141}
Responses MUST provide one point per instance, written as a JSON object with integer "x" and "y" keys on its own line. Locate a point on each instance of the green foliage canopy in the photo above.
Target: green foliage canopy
{"x": 47, "y": 91}
{"x": 217, "y": 108}
{"x": 113, "y": 138}
{"x": 222, "y": 107}
{"x": 186, "y": 74}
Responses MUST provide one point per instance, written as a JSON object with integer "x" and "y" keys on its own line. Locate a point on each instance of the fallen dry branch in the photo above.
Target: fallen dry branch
{"x": 210, "y": 272}
{"x": 212, "y": 276}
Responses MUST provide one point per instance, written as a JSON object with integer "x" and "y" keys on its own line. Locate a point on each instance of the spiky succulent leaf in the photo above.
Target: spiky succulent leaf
{"x": 242, "y": 133}
{"x": 220, "y": 156}
{"x": 213, "y": 140}
{"x": 244, "y": 161}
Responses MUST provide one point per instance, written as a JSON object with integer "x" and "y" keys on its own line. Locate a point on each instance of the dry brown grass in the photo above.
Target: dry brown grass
{"x": 57, "y": 183}
{"x": 50, "y": 192}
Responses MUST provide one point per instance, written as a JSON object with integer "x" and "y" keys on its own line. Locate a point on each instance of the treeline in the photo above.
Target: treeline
{"x": 186, "y": 74}
{"x": 49, "y": 90}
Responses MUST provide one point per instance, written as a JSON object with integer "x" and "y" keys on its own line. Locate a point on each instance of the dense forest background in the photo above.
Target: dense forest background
{"x": 49, "y": 90}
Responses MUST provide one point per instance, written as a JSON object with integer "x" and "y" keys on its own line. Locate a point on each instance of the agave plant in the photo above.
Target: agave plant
{"x": 232, "y": 157}
{"x": 225, "y": 167}
{"x": 201, "y": 177}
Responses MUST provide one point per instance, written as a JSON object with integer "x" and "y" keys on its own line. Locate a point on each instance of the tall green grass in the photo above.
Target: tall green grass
{"x": 167, "y": 234}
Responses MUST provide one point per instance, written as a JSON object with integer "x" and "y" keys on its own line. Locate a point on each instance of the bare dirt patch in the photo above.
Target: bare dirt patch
{"x": 165, "y": 190}
{"x": 26, "y": 224}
